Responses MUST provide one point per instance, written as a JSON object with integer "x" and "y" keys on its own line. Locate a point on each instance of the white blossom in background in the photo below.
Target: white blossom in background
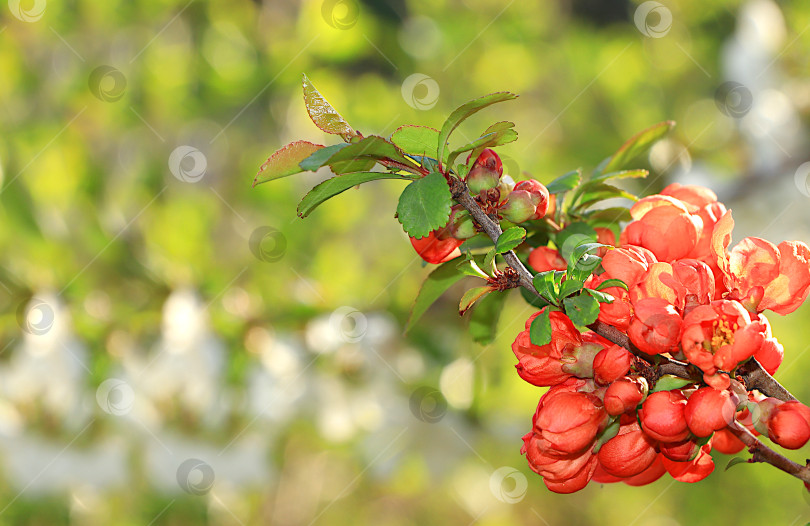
{"x": 185, "y": 367}
{"x": 47, "y": 368}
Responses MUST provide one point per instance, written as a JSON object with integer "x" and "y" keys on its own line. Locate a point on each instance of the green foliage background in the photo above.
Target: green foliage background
{"x": 90, "y": 209}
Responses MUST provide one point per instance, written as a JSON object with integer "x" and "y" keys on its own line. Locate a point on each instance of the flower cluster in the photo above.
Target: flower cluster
{"x": 689, "y": 298}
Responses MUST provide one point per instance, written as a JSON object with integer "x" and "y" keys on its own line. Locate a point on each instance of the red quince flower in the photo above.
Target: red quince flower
{"x": 789, "y": 424}
{"x": 663, "y": 225}
{"x": 662, "y": 416}
{"x": 611, "y": 363}
{"x": 649, "y": 475}
{"x": 656, "y": 326}
{"x": 760, "y": 274}
{"x": 628, "y": 453}
{"x": 727, "y": 442}
{"x": 720, "y": 336}
{"x": 680, "y": 451}
{"x": 542, "y": 259}
{"x": 624, "y": 395}
{"x": 570, "y": 421}
{"x": 542, "y": 365}
{"x": 695, "y": 470}
{"x": 709, "y": 410}
{"x": 437, "y": 247}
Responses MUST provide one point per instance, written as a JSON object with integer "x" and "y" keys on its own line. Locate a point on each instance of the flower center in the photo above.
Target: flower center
{"x": 723, "y": 335}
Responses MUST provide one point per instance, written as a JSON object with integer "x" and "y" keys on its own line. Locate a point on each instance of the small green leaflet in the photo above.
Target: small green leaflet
{"x": 545, "y": 284}
{"x": 532, "y": 299}
{"x": 635, "y": 146}
{"x": 319, "y": 157}
{"x": 496, "y": 135}
{"x": 669, "y": 382}
{"x": 471, "y": 296}
{"x": 601, "y": 297}
{"x": 734, "y": 461}
{"x": 504, "y": 134}
{"x": 416, "y": 140}
{"x": 367, "y": 150}
{"x": 437, "y": 282}
{"x": 583, "y": 309}
{"x": 570, "y": 286}
{"x": 624, "y": 174}
{"x": 540, "y": 329}
{"x": 485, "y": 316}
{"x": 565, "y": 182}
{"x": 466, "y": 110}
{"x": 424, "y": 205}
{"x": 601, "y": 191}
{"x": 336, "y": 185}
{"x": 323, "y": 114}
{"x": 285, "y": 161}
{"x": 609, "y": 216}
{"x": 510, "y": 239}
{"x": 612, "y": 283}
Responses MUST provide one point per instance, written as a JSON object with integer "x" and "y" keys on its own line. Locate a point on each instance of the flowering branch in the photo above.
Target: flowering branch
{"x": 762, "y": 453}
{"x": 752, "y": 373}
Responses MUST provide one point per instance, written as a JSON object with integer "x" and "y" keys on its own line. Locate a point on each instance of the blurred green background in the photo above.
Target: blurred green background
{"x": 178, "y": 348}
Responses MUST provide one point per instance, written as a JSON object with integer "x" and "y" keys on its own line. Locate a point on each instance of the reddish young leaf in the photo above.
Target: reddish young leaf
{"x": 285, "y": 161}
{"x": 323, "y": 114}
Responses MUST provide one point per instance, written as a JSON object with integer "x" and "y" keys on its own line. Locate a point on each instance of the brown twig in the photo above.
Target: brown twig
{"x": 762, "y": 453}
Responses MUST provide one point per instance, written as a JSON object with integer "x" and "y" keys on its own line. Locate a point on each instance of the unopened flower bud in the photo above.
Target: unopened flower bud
{"x": 505, "y": 186}
{"x": 462, "y": 225}
{"x": 485, "y": 173}
{"x": 518, "y": 207}
{"x": 579, "y": 361}
{"x": 539, "y": 195}
{"x": 624, "y": 395}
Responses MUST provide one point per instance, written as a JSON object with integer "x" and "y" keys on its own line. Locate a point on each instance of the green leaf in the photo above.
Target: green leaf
{"x": 583, "y": 309}
{"x": 540, "y": 329}
{"x": 573, "y": 235}
{"x": 544, "y": 283}
{"x": 600, "y": 192}
{"x": 424, "y": 205}
{"x": 469, "y": 267}
{"x": 565, "y": 182}
{"x": 734, "y": 461}
{"x": 471, "y": 296}
{"x": 570, "y": 286}
{"x": 637, "y": 145}
{"x": 369, "y": 149}
{"x": 416, "y": 140}
{"x": 285, "y": 161}
{"x": 510, "y": 239}
{"x": 336, "y": 185}
{"x": 489, "y": 260}
{"x": 624, "y": 174}
{"x": 323, "y": 114}
{"x": 485, "y": 316}
{"x": 319, "y": 157}
{"x": 497, "y": 134}
{"x": 533, "y": 299}
{"x": 601, "y": 297}
{"x": 466, "y": 110}
{"x": 669, "y": 382}
{"x": 437, "y": 282}
{"x": 504, "y": 134}
{"x": 612, "y": 283}
{"x": 608, "y": 433}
